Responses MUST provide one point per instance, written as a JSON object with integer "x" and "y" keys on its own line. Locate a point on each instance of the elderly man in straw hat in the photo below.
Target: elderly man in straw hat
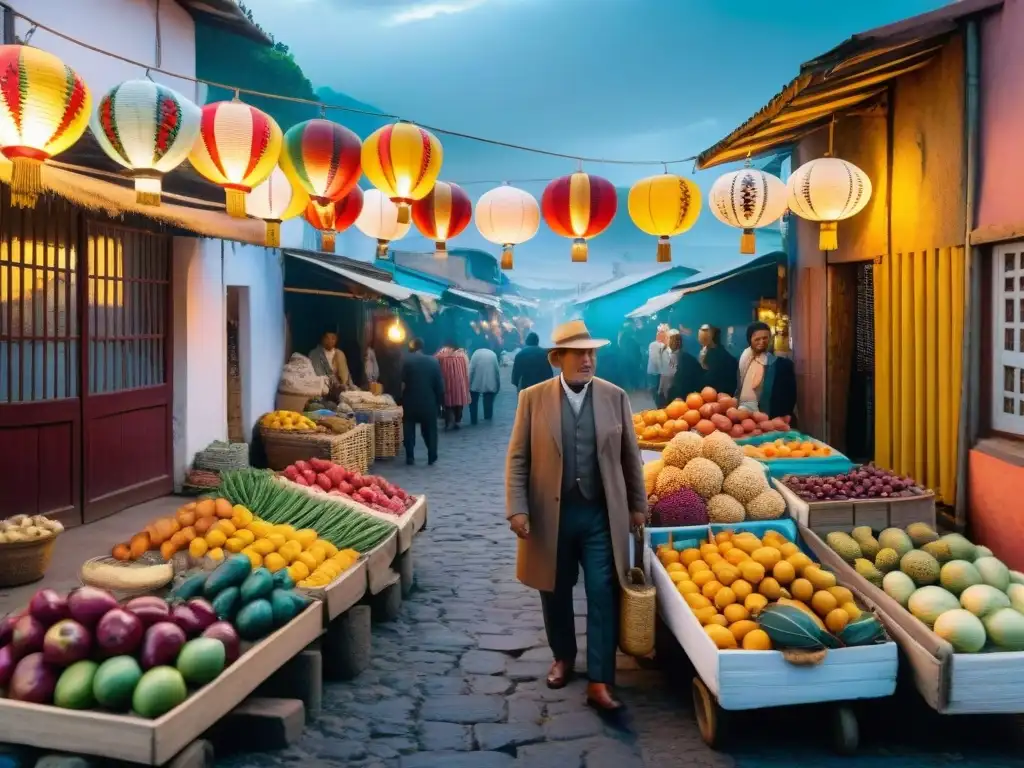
{"x": 574, "y": 489}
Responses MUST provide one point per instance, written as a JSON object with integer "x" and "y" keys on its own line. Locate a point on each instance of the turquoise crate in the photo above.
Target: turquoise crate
{"x": 836, "y": 464}
{"x": 687, "y": 536}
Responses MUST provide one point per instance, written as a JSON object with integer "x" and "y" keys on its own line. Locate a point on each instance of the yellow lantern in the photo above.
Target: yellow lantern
{"x": 402, "y": 161}
{"x": 44, "y": 109}
{"x": 747, "y": 199}
{"x": 828, "y": 190}
{"x": 274, "y": 201}
{"x": 379, "y": 219}
{"x": 507, "y": 216}
{"x": 664, "y": 206}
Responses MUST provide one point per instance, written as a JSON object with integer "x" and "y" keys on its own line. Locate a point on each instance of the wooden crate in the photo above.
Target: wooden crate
{"x": 827, "y": 516}
{"x": 379, "y": 573}
{"x": 155, "y": 742}
{"x": 342, "y": 593}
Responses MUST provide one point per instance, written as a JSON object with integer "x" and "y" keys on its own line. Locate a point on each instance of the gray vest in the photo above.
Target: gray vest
{"x": 580, "y": 470}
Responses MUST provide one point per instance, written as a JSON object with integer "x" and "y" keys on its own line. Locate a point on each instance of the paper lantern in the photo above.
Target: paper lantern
{"x": 44, "y": 109}
{"x": 828, "y": 190}
{"x": 274, "y": 201}
{"x": 334, "y": 217}
{"x": 443, "y": 214}
{"x": 664, "y": 206}
{"x": 237, "y": 148}
{"x": 402, "y": 161}
{"x": 507, "y": 216}
{"x": 322, "y": 158}
{"x": 379, "y": 219}
{"x": 579, "y": 206}
{"x": 747, "y": 199}
{"x": 149, "y": 129}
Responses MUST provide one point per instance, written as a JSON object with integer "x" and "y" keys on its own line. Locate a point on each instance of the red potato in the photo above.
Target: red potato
{"x": 309, "y": 475}
{"x": 757, "y": 432}
{"x": 749, "y": 425}
{"x": 708, "y": 410}
{"x": 302, "y": 466}
{"x": 734, "y": 415}
{"x": 726, "y": 402}
{"x": 324, "y": 481}
{"x": 291, "y": 472}
{"x": 721, "y": 422}
{"x": 300, "y": 480}
{"x": 760, "y": 417}
{"x": 737, "y": 431}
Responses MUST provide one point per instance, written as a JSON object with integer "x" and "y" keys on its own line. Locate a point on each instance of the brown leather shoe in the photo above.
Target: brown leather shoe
{"x": 599, "y": 697}
{"x": 559, "y": 675}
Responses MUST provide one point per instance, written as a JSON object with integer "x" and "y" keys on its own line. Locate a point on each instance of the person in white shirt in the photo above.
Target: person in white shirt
{"x": 669, "y": 361}
{"x": 655, "y": 362}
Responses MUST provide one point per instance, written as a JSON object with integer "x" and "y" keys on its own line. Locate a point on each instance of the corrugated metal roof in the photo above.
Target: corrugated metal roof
{"x": 381, "y": 287}
{"x": 852, "y": 76}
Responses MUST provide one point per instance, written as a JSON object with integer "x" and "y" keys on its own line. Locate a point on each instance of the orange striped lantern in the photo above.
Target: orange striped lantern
{"x": 442, "y": 215}
{"x": 579, "y": 206}
{"x": 334, "y": 217}
{"x": 323, "y": 158}
{"x": 274, "y": 201}
{"x": 402, "y": 161}
{"x": 237, "y": 148}
{"x": 44, "y": 109}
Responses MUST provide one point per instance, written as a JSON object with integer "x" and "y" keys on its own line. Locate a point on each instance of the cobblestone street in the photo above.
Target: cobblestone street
{"x": 457, "y": 680}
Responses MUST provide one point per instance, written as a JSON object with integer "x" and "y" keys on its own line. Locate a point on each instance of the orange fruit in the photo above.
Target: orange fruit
{"x": 841, "y": 594}
{"x": 757, "y": 640}
{"x": 788, "y": 549}
{"x": 688, "y": 556}
{"x": 700, "y": 578}
{"x": 755, "y": 603}
{"x": 836, "y": 620}
{"x": 802, "y": 590}
{"x": 687, "y": 588}
{"x": 721, "y": 637}
{"x": 722, "y": 536}
{"x": 741, "y": 628}
{"x": 766, "y": 556}
{"x": 741, "y": 588}
{"x": 735, "y": 612}
{"x": 718, "y": 619}
{"x": 698, "y": 565}
{"x": 696, "y": 602}
{"x": 735, "y": 555}
{"x": 222, "y": 508}
{"x": 823, "y": 603}
{"x": 799, "y": 561}
{"x": 783, "y": 572}
{"x": 705, "y": 614}
{"x": 751, "y": 571}
{"x": 710, "y": 589}
{"x": 770, "y": 588}
{"x": 727, "y": 575}
{"x": 724, "y": 597}
{"x": 713, "y": 557}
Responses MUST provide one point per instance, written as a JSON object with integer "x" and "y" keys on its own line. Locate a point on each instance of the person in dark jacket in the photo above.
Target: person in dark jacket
{"x": 765, "y": 382}
{"x": 688, "y": 377}
{"x": 531, "y": 365}
{"x": 720, "y": 367}
{"x": 422, "y": 398}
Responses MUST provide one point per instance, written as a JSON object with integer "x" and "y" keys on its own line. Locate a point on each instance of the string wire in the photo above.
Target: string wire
{"x": 323, "y": 106}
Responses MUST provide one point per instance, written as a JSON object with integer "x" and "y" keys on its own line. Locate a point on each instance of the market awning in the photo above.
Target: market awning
{"x": 850, "y": 77}
{"x": 655, "y": 304}
{"x": 481, "y": 299}
{"x": 380, "y": 287}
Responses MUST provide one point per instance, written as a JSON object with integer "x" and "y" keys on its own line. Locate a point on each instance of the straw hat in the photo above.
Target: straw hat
{"x": 574, "y": 335}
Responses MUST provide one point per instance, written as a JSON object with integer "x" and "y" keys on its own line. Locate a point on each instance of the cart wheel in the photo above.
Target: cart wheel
{"x": 711, "y": 718}
{"x": 845, "y": 731}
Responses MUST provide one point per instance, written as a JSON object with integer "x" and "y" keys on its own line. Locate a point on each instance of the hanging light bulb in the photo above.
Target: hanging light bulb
{"x": 396, "y": 332}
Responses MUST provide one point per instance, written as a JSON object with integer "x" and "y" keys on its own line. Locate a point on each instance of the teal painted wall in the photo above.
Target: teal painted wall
{"x": 606, "y": 316}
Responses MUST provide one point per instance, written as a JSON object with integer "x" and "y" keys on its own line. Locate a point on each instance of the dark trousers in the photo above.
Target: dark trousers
{"x": 428, "y": 430}
{"x": 474, "y": 399}
{"x": 584, "y": 539}
{"x": 452, "y": 416}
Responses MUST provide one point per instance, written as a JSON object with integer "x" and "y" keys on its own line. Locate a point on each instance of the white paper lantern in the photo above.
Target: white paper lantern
{"x": 379, "y": 220}
{"x": 828, "y": 190}
{"x": 747, "y": 199}
{"x": 275, "y": 200}
{"x": 507, "y": 216}
{"x": 149, "y": 129}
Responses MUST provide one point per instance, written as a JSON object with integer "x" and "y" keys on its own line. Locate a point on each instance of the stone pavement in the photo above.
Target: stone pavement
{"x": 457, "y": 680}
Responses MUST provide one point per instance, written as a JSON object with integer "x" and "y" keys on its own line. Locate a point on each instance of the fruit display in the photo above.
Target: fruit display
{"x": 370, "y": 490}
{"x": 288, "y": 421}
{"x": 703, "y": 412}
{"x": 960, "y": 590}
{"x": 803, "y": 448}
{"x": 765, "y": 593}
{"x": 21, "y": 528}
{"x": 699, "y": 480}
{"x": 864, "y": 482}
{"x": 85, "y": 651}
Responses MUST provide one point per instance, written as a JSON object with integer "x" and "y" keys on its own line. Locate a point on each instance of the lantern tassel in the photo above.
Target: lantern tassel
{"x": 506, "y": 257}
{"x": 382, "y": 249}
{"x": 579, "y": 250}
{"x": 235, "y": 199}
{"x": 272, "y": 239}
{"x": 26, "y": 181}
{"x": 747, "y": 241}
{"x": 327, "y": 241}
{"x": 828, "y": 237}
{"x": 403, "y": 213}
{"x": 440, "y": 250}
{"x": 664, "y": 250}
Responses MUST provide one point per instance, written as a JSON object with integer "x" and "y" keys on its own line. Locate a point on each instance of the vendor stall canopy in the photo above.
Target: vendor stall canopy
{"x": 852, "y": 77}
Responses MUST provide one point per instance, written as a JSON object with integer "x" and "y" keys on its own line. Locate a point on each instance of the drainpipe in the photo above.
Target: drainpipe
{"x": 971, "y": 347}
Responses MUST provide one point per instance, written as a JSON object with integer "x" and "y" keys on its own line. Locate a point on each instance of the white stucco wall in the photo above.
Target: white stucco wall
{"x": 203, "y": 271}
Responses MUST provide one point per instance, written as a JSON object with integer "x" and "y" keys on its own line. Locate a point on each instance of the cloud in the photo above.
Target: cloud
{"x": 410, "y": 13}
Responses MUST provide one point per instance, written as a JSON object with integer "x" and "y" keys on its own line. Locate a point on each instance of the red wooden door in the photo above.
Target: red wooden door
{"x": 126, "y": 369}
{"x": 40, "y": 351}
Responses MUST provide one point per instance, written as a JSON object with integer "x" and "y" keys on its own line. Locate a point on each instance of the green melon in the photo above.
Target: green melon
{"x": 959, "y": 547}
{"x": 1016, "y": 577}
{"x": 920, "y": 566}
{"x": 898, "y": 586}
{"x": 982, "y": 599}
{"x": 897, "y": 539}
{"x": 1005, "y": 629}
{"x": 961, "y": 629}
{"x": 980, "y": 551}
{"x": 958, "y": 575}
{"x": 1016, "y": 594}
{"x": 928, "y": 603}
{"x": 993, "y": 572}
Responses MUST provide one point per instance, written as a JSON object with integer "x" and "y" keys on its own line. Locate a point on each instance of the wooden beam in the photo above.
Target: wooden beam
{"x": 314, "y": 292}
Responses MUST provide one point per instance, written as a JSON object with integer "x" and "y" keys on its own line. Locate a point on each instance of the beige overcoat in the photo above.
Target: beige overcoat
{"x": 533, "y": 474}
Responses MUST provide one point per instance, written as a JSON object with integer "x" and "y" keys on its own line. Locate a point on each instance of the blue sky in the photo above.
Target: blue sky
{"x": 643, "y": 79}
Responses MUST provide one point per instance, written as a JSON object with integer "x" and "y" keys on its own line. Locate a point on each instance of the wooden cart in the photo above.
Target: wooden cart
{"x": 826, "y": 516}
{"x": 729, "y": 681}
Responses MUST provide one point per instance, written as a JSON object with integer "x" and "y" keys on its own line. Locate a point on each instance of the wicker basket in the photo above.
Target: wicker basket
{"x": 387, "y": 439}
{"x": 638, "y": 609}
{"x": 351, "y": 450}
{"x": 23, "y": 562}
{"x": 289, "y": 401}
{"x": 647, "y": 445}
